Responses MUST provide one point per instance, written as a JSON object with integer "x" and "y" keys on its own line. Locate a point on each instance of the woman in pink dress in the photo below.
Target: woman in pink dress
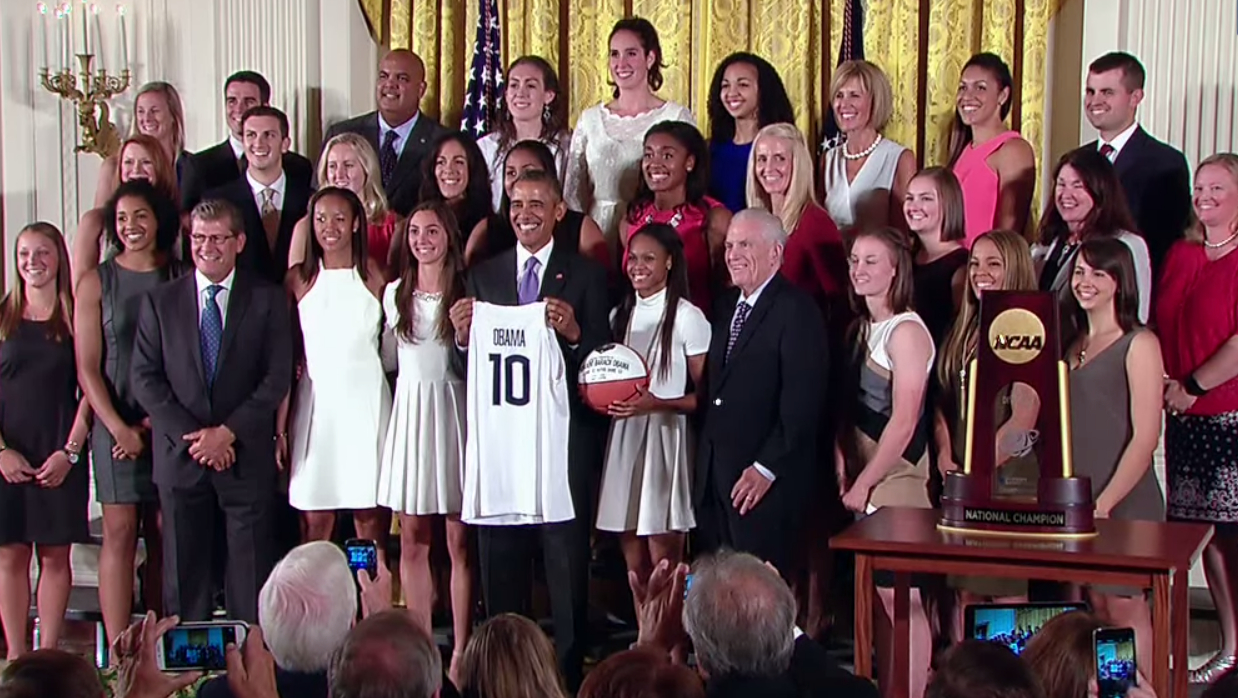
{"x": 674, "y": 179}
{"x": 994, "y": 165}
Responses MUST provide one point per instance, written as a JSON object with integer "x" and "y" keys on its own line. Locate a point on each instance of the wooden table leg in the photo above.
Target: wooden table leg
{"x": 902, "y": 634}
{"x": 1160, "y": 635}
{"x": 863, "y": 616}
{"x": 1180, "y": 607}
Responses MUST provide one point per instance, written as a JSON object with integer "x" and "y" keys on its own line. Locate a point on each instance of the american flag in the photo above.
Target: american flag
{"x": 851, "y": 48}
{"x": 486, "y": 74}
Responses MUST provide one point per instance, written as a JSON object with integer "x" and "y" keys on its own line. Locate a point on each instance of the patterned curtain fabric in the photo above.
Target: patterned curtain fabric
{"x": 697, "y": 34}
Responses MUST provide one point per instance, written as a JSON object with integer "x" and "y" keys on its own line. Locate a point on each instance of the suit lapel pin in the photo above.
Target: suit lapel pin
{"x": 559, "y": 276}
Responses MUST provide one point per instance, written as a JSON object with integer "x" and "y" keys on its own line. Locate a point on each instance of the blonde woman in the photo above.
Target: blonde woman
{"x": 864, "y": 174}
{"x": 350, "y": 163}
{"x": 157, "y": 112}
{"x": 509, "y": 657}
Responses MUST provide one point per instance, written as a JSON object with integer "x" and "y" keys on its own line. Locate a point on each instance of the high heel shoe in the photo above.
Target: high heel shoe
{"x": 1213, "y": 669}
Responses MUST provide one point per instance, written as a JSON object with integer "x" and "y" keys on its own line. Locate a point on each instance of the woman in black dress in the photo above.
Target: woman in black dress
{"x": 143, "y": 224}
{"x": 43, "y": 425}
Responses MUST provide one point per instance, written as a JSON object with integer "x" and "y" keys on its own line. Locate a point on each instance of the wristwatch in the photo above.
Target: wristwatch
{"x": 72, "y": 451}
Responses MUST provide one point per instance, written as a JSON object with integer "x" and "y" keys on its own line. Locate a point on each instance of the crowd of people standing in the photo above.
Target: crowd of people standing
{"x": 247, "y": 347}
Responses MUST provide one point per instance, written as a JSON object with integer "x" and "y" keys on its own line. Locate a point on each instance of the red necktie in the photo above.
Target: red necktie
{"x": 1107, "y": 151}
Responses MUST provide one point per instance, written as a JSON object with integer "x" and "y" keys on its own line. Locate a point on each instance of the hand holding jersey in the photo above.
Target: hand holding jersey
{"x": 560, "y": 316}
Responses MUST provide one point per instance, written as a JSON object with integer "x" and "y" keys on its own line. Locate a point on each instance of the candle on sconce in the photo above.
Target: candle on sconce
{"x": 124, "y": 39}
{"x": 85, "y": 29}
{"x": 64, "y": 21}
{"x": 43, "y": 49}
{"x": 96, "y": 38}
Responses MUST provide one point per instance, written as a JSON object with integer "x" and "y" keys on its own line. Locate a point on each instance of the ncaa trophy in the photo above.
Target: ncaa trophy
{"x": 1016, "y": 480}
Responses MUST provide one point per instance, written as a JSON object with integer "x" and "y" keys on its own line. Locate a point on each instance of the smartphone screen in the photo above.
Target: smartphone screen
{"x": 687, "y": 585}
{"x": 1115, "y": 661}
{"x": 362, "y": 555}
{"x": 1012, "y": 625}
{"x": 198, "y": 647}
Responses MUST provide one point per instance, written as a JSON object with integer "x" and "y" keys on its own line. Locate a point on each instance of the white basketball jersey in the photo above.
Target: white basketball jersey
{"x": 515, "y": 463}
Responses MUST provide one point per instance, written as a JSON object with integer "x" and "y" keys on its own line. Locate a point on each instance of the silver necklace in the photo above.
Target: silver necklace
{"x": 1223, "y": 243}
{"x": 863, "y": 153}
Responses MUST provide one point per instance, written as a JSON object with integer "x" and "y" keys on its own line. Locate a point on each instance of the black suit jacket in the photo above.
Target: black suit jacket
{"x": 253, "y": 375}
{"x": 812, "y": 674}
{"x": 257, "y": 256}
{"x": 764, "y": 404}
{"x": 1157, "y": 182}
{"x": 405, "y": 184}
{"x": 216, "y": 166}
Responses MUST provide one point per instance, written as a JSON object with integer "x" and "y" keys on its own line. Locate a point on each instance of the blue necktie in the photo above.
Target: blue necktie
{"x": 529, "y": 286}
{"x": 212, "y": 331}
{"x": 737, "y": 326}
{"x": 387, "y": 157}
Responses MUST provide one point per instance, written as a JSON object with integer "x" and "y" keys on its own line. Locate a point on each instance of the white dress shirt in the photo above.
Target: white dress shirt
{"x": 751, "y": 302}
{"x": 522, "y": 258}
{"x": 221, "y": 298}
{"x": 402, "y": 132}
{"x": 1118, "y": 142}
{"x": 238, "y": 148}
{"x": 280, "y": 186}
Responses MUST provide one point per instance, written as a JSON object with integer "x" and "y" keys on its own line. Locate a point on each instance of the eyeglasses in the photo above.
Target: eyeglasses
{"x": 216, "y": 240}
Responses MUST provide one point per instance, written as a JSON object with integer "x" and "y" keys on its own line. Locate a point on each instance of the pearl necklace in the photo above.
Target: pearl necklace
{"x": 863, "y": 153}
{"x": 1219, "y": 245}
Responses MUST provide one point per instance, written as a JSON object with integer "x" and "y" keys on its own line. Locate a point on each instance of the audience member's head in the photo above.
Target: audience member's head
{"x": 50, "y": 674}
{"x": 1225, "y": 687}
{"x": 740, "y": 615}
{"x": 641, "y": 673}
{"x": 387, "y": 655}
{"x": 978, "y": 669}
{"x": 1062, "y": 656}
{"x": 307, "y": 607}
{"x": 509, "y": 657}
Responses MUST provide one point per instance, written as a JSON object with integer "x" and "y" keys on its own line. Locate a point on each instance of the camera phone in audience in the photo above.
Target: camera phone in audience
{"x": 362, "y": 555}
{"x": 1115, "y": 661}
{"x": 199, "y": 646}
{"x": 1012, "y": 624}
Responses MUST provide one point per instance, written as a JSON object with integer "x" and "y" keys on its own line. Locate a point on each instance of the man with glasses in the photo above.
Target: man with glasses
{"x": 212, "y": 360}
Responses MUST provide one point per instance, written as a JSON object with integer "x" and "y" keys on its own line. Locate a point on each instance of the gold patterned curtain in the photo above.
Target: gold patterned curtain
{"x": 921, "y": 44}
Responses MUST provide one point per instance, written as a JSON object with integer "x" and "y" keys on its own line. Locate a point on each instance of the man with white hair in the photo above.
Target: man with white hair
{"x": 305, "y": 609}
{"x": 765, "y": 384}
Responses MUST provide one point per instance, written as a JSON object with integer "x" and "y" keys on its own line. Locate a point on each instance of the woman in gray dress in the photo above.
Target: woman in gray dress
{"x": 143, "y": 224}
{"x": 1116, "y": 400}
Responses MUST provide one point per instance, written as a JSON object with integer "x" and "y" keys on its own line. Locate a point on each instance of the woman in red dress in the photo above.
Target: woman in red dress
{"x": 674, "y": 179}
{"x": 1196, "y": 316}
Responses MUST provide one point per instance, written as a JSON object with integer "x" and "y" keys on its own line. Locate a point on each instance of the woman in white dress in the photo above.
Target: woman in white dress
{"x": 531, "y": 110}
{"x": 646, "y": 496}
{"x": 340, "y": 407}
{"x": 603, "y": 169}
{"x": 864, "y": 174}
{"x": 420, "y": 472}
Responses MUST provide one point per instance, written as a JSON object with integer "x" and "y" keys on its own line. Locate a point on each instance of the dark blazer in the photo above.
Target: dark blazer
{"x": 253, "y": 375}
{"x": 1157, "y": 182}
{"x": 764, "y": 404}
{"x": 257, "y": 256}
{"x": 812, "y": 674}
{"x": 406, "y": 182}
{"x": 216, "y": 166}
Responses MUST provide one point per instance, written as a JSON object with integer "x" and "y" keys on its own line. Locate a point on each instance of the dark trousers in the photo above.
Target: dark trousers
{"x": 771, "y": 531}
{"x": 189, "y": 525}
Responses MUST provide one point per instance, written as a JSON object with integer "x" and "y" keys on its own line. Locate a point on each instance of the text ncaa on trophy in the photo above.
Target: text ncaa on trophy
{"x": 1017, "y": 475}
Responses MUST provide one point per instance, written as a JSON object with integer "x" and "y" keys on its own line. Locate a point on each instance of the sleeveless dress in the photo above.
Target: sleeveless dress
{"x": 603, "y": 169}
{"x": 646, "y": 480}
{"x": 1100, "y": 419}
{"x": 38, "y": 402}
{"x": 934, "y": 292}
{"x": 692, "y": 224}
{"x": 728, "y": 173}
{"x": 341, "y": 411}
{"x": 845, "y": 200}
{"x": 421, "y": 468}
{"x": 495, "y": 156}
{"x": 121, "y": 291}
{"x": 981, "y": 186}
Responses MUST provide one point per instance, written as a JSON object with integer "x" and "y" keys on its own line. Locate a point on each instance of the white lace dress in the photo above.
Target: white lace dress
{"x": 603, "y": 169}
{"x": 489, "y": 146}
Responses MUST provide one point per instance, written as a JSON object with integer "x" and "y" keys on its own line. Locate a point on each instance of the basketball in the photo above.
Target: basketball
{"x": 612, "y": 373}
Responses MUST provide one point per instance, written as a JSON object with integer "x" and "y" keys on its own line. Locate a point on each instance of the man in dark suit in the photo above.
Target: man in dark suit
{"x": 223, "y": 163}
{"x": 1155, "y": 175}
{"x": 763, "y": 391}
{"x": 271, "y": 199}
{"x": 398, "y": 131}
{"x": 574, "y": 288}
{"x": 212, "y": 360}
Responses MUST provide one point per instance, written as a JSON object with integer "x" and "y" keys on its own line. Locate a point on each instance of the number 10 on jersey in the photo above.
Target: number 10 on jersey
{"x": 510, "y": 378}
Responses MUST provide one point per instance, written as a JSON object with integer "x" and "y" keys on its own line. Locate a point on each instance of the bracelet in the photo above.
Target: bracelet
{"x": 281, "y": 435}
{"x": 1193, "y": 388}
{"x": 72, "y": 447}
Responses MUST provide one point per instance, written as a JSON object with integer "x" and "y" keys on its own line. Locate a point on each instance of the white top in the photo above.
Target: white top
{"x": 1119, "y": 141}
{"x": 280, "y": 186}
{"x": 877, "y": 173}
{"x": 603, "y": 169}
{"x": 238, "y": 148}
{"x": 879, "y": 334}
{"x": 221, "y": 298}
{"x": 489, "y": 146}
{"x": 1139, "y": 255}
{"x": 401, "y": 132}
{"x": 690, "y": 338}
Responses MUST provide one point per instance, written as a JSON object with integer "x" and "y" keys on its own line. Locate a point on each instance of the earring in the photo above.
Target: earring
{"x": 546, "y": 114}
